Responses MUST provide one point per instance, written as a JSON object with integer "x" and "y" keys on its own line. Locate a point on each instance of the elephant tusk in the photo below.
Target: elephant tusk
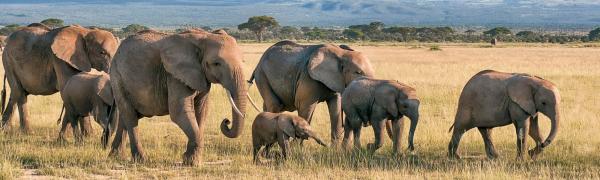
{"x": 253, "y": 103}
{"x": 234, "y": 106}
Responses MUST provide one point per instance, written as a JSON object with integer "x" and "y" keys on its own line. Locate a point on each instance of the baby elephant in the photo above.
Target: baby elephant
{"x": 372, "y": 101}
{"x": 84, "y": 94}
{"x": 269, "y": 128}
{"x": 492, "y": 99}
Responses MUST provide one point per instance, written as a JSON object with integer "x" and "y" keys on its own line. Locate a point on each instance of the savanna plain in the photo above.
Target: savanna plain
{"x": 438, "y": 75}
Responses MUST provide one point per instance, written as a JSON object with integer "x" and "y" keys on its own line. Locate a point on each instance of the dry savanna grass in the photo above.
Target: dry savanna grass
{"x": 438, "y": 77}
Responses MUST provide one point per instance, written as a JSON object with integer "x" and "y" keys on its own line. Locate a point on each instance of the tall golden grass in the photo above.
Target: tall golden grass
{"x": 438, "y": 77}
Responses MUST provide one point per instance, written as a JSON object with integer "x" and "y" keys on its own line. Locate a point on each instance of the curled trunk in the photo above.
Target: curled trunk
{"x": 554, "y": 120}
{"x": 238, "y": 92}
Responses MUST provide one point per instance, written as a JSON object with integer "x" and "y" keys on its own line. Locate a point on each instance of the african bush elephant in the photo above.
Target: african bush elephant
{"x": 493, "y": 99}
{"x": 293, "y": 77}
{"x": 88, "y": 93}
{"x": 269, "y": 128}
{"x": 158, "y": 74}
{"x": 39, "y": 61}
{"x": 372, "y": 101}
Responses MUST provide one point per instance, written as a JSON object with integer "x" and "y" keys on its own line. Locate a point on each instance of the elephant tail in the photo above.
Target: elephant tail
{"x": 3, "y": 94}
{"x": 61, "y": 114}
{"x": 451, "y": 127}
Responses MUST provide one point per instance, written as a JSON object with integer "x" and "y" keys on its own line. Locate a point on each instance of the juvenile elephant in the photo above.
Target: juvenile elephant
{"x": 293, "y": 77}
{"x": 493, "y": 99}
{"x": 88, "y": 93}
{"x": 157, "y": 74}
{"x": 269, "y": 128}
{"x": 373, "y": 101}
{"x": 39, "y": 61}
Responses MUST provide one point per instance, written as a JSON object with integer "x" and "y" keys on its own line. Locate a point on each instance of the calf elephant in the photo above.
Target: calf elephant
{"x": 374, "y": 101}
{"x": 158, "y": 74}
{"x": 269, "y": 128}
{"x": 88, "y": 93}
{"x": 39, "y": 61}
{"x": 493, "y": 99}
{"x": 293, "y": 77}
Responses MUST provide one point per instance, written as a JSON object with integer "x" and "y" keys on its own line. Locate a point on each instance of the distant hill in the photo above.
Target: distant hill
{"x": 329, "y": 13}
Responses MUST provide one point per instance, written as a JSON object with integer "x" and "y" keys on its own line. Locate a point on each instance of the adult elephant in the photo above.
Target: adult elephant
{"x": 158, "y": 74}
{"x": 39, "y": 61}
{"x": 293, "y": 77}
{"x": 493, "y": 99}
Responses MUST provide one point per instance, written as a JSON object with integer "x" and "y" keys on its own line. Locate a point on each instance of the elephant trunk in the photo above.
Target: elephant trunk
{"x": 318, "y": 139}
{"x": 554, "y": 120}
{"x": 238, "y": 98}
{"x": 414, "y": 120}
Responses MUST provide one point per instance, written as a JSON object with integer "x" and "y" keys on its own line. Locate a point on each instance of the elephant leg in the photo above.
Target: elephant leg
{"x": 306, "y": 111}
{"x": 267, "y": 150}
{"x": 378, "y": 126}
{"x": 77, "y": 134}
{"x": 534, "y": 132}
{"x": 347, "y": 134}
{"x": 334, "y": 105}
{"x": 182, "y": 109}
{"x": 255, "y": 150}
{"x": 131, "y": 126}
{"x": 486, "y": 134}
{"x": 272, "y": 103}
{"x": 86, "y": 126}
{"x": 8, "y": 113}
{"x": 398, "y": 129}
{"x": 356, "y": 134}
{"x": 200, "y": 108}
{"x": 457, "y": 134}
{"x": 521, "y": 128}
{"x": 284, "y": 144}
{"x": 117, "y": 144}
{"x": 24, "y": 114}
{"x": 63, "y": 130}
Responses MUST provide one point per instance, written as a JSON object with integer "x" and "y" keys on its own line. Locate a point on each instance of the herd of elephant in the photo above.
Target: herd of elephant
{"x": 153, "y": 74}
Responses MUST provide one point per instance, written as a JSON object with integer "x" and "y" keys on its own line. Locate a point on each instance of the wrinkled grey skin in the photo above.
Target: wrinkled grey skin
{"x": 39, "y": 61}
{"x": 157, "y": 74}
{"x": 293, "y": 77}
{"x": 494, "y": 99}
{"x": 85, "y": 94}
{"x": 373, "y": 101}
{"x": 270, "y": 128}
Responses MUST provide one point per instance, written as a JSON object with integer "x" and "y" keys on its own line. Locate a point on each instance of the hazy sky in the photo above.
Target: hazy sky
{"x": 304, "y": 12}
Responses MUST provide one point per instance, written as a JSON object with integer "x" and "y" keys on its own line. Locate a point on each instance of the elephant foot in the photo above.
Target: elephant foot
{"x": 61, "y": 140}
{"x": 138, "y": 158}
{"x": 373, "y": 147}
{"x": 190, "y": 159}
{"x": 114, "y": 153}
{"x": 453, "y": 156}
{"x": 26, "y": 131}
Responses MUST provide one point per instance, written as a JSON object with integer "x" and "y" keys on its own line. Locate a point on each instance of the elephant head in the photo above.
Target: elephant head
{"x": 83, "y": 48}
{"x": 400, "y": 100}
{"x": 198, "y": 58}
{"x": 336, "y": 67}
{"x": 294, "y": 126}
{"x": 534, "y": 94}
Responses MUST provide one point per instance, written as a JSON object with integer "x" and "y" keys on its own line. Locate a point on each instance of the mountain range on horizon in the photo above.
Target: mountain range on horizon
{"x": 326, "y": 13}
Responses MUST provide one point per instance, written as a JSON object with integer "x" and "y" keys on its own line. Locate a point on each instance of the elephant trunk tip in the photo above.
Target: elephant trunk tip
{"x": 228, "y": 132}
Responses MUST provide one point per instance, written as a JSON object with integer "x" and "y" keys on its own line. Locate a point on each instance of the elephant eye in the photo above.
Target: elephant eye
{"x": 543, "y": 103}
{"x": 358, "y": 72}
{"x": 217, "y": 64}
{"x": 103, "y": 52}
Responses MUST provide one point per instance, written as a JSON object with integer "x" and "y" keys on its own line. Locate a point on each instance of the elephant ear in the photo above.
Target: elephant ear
{"x": 181, "y": 56}
{"x": 286, "y": 125}
{"x": 69, "y": 46}
{"x": 521, "y": 91}
{"x": 386, "y": 97}
{"x": 104, "y": 89}
{"x": 325, "y": 66}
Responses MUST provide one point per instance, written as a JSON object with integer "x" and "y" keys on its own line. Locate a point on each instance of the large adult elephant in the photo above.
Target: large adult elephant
{"x": 158, "y": 74}
{"x": 493, "y": 99}
{"x": 293, "y": 77}
{"x": 39, "y": 61}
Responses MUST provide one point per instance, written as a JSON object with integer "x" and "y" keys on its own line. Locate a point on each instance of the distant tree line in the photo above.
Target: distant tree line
{"x": 266, "y": 28}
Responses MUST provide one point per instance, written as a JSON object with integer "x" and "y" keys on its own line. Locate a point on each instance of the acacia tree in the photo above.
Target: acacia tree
{"x": 258, "y": 25}
{"x": 594, "y": 35}
{"x": 53, "y": 22}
